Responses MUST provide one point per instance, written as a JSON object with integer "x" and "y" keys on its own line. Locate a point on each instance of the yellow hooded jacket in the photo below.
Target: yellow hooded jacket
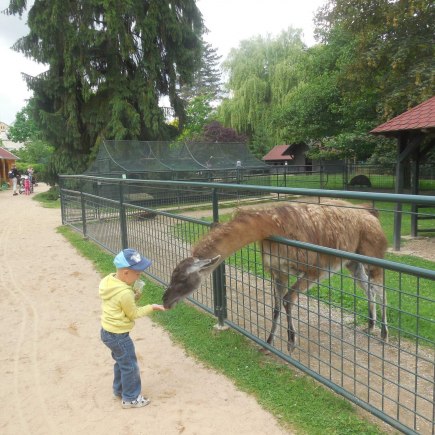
{"x": 119, "y": 309}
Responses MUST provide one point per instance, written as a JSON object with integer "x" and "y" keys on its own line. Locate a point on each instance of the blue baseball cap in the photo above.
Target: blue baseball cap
{"x": 130, "y": 258}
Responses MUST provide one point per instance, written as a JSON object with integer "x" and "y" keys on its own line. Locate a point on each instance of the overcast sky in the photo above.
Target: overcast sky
{"x": 228, "y": 21}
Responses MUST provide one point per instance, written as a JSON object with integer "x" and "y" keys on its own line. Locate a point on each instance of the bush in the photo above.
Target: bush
{"x": 52, "y": 194}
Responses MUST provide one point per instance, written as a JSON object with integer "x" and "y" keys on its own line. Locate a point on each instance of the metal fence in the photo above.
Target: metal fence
{"x": 321, "y": 175}
{"x": 394, "y": 380}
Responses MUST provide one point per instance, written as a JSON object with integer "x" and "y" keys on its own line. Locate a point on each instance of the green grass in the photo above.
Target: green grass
{"x": 333, "y": 181}
{"x": 298, "y": 402}
{"x": 48, "y": 199}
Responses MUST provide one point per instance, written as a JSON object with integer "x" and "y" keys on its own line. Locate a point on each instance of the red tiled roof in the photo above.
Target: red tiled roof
{"x": 278, "y": 153}
{"x": 6, "y": 155}
{"x": 421, "y": 116}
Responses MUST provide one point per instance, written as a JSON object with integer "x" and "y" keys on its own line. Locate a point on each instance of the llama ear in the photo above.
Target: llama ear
{"x": 203, "y": 265}
{"x": 214, "y": 260}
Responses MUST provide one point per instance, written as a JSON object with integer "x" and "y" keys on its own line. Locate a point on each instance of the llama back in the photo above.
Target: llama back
{"x": 247, "y": 226}
{"x": 331, "y": 224}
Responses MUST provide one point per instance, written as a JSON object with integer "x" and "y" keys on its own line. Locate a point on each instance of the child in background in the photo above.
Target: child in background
{"x": 118, "y": 319}
{"x": 26, "y": 184}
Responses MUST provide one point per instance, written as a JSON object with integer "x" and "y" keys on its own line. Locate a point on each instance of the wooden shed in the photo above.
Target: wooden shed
{"x": 294, "y": 154}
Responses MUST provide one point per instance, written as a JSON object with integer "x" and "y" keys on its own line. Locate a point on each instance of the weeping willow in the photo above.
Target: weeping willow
{"x": 261, "y": 73}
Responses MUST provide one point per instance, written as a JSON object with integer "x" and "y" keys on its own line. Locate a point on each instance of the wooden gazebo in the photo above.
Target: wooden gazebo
{"x": 415, "y": 132}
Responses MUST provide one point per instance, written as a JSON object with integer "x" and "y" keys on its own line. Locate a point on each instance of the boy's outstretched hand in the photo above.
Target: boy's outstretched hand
{"x": 157, "y": 307}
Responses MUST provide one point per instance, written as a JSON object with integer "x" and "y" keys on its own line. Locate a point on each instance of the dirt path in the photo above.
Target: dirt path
{"x": 56, "y": 374}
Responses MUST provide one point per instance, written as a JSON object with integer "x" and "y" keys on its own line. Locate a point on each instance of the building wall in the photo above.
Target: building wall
{"x": 6, "y": 143}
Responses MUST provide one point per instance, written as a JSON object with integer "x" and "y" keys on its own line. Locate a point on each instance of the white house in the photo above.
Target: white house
{"x": 6, "y": 143}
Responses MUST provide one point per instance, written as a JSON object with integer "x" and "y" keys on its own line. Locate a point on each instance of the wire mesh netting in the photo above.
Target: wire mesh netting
{"x": 173, "y": 160}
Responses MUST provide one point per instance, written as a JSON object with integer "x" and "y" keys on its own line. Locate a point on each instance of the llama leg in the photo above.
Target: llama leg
{"x": 289, "y": 301}
{"x": 360, "y": 276}
{"x": 374, "y": 289}
{"x": 278, "y": 291}
{"x": 384, "y": 321}
{"x": 303, "y": 283}
{"x": 377, "y": 279}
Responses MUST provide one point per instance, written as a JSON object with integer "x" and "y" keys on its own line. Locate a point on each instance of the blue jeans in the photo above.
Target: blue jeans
{"x": 126, "y": 382}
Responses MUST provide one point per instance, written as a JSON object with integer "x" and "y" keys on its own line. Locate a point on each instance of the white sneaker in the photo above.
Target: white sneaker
{"x": 138, "y": 403}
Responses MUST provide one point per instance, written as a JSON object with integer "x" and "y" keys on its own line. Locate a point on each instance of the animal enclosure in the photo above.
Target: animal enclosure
{"x": 393, "y": 380}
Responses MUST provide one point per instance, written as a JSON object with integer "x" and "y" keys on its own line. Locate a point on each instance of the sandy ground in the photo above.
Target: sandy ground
{"x": 57, "y": 375}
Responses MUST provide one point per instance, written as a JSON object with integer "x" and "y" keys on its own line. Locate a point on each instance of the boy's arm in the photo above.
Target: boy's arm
{"x": 132, "y": 311}
{"x": 158, "y": 307}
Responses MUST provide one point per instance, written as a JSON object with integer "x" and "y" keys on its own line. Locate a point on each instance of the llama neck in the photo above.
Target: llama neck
{"x": 247, "y": 227}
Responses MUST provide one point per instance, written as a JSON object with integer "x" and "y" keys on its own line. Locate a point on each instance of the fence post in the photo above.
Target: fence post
{"x": 322, "y": 169}
{"x": 122, "y": 217}
{"x": 219, "y": 284}
{"x": 398, "y": 208}
{"x": 346, "y": 171}
{"x": 83, "y": 206}
{"x": 62, "y": 200}
{"x": 414, "y": 190}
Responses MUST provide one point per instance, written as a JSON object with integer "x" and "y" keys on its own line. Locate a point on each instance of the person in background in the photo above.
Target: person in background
{"x": 14, "y": 176}
{"x": 27, "y": 184}
{"x": 29, "y": 173}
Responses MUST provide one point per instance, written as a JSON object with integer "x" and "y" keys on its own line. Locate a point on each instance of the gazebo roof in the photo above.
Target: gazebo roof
{"x": 418, "y": 118}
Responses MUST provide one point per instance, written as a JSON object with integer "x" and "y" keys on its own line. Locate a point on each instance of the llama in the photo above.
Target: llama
{"x": 335, "y": 224}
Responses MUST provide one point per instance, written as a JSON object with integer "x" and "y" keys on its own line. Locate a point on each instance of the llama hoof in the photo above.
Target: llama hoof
{"x": 291, "y": 347}
{"x": 265, "y": 351}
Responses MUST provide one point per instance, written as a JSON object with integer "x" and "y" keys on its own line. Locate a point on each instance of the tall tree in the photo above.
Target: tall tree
{"x": 24, "y": 129}
{"x": 260, "y": 72}
{"x": 202, "y": 93}
{"x": 393, "y": 49}
{"x": 375, "y": 60}
{"x": 206, "y": 81}
{"x": 109, "y": 63}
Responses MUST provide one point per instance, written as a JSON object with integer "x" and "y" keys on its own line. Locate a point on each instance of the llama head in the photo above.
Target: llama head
{"x": 186, "y": 278}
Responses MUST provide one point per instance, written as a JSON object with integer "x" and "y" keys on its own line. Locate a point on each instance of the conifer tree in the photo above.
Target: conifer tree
{"x": 207, "y": 80}
{"x": 108, "y": 65}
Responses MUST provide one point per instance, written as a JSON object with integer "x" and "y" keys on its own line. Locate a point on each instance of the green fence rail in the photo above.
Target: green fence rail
{"x": 163, "y": 219}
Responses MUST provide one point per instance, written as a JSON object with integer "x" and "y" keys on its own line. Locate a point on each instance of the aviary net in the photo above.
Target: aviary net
{"x": 200, "y": 162}
{"x": 171, "y": 160}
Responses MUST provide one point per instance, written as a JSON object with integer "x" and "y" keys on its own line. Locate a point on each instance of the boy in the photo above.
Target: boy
{"x": 117, "y": 320}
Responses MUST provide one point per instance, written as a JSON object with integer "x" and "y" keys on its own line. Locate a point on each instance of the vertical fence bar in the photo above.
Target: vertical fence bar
{"x": 346, "y": 175}
{"x": 62, "y": 201}
{"x": 322, "y": 178}
{"x": 414, "y": 191}
{"x": 398, "y": 209}
{"x": 83, "y": 206}
{"x": 122, "y": 217}
{"x": 219, "y": 283}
